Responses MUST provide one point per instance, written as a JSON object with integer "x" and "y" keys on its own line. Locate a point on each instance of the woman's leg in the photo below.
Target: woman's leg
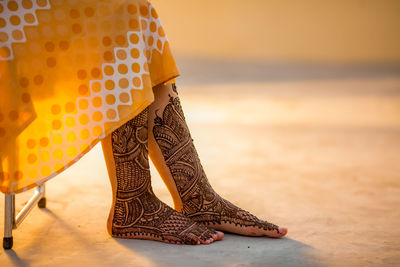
{"x": 173, "y": 153}
{"x": 136, "y": 212}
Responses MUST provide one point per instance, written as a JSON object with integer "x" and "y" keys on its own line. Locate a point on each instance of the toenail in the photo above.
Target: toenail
{"x": 282, "y": 230}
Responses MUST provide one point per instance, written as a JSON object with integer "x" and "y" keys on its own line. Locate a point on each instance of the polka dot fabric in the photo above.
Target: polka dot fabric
{"x": 71, "y": 73}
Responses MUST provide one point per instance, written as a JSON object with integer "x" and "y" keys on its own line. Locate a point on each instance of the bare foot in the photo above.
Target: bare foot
{"x": 199, "y": 201}
{"x": 209, "y": 208}
{"x": 146, "y": 217}
{"x": 136, "y": 212}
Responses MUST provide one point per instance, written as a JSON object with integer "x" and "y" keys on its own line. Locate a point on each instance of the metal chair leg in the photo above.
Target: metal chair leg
{"x": 12, "y": 221}
{"x": 42, "y": 201}
{"x": 9, "y": 220}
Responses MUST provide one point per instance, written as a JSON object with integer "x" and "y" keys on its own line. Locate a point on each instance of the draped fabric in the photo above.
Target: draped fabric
{"x": 71, "y": 72}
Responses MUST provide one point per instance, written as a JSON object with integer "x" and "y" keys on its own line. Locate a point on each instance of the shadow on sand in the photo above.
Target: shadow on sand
{"x": 15, "y": 259}
{"x": 233, "y": 250}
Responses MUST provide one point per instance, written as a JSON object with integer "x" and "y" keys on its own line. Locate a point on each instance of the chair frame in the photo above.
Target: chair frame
{"x": 11, "y": 220}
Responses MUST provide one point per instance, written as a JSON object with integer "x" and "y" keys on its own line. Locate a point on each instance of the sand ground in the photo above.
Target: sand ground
{"x": 319, "y": 156}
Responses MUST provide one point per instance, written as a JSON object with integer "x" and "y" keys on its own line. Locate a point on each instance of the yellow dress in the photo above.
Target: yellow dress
{"x": 71, "y": 72}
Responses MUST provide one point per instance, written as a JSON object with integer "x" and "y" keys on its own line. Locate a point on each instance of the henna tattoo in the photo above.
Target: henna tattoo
{"x": 138, "y": 213}
{"x": 174, "y": 89}
{"x": 200, "y": 202}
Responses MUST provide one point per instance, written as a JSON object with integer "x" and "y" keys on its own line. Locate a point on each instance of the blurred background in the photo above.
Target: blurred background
{"x": 302, "y": 52}
{"x": 290, "y": 31}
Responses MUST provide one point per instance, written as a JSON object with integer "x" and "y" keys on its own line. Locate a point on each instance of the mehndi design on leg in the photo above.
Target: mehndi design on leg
{"x": 138, "y": 213}
{"x": 199, "y": 201}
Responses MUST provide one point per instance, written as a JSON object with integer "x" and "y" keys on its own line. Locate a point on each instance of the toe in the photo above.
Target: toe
{"x": 281, "y": 231}
{"x": 219, "y": 235}
{"x": 216, "y": 235}
{"x": 207, "y": 241}
{"x": 206, "y": 237}
{"x": 209, "y": 237}
{"x": 193, "y": 240}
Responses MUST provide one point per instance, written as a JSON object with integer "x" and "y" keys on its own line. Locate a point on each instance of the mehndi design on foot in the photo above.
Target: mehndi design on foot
{"x": 138, "y": 213}
{"x": 200, "y": 202}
